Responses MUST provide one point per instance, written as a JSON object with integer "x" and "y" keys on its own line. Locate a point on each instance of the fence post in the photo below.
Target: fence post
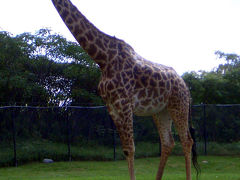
{"x": 13, "y": 114}
{"x": 114, "y": 137}
{"x": 114, "y": 144}
{"x": 204, "y": 129}
{"x": 68, "y": 114}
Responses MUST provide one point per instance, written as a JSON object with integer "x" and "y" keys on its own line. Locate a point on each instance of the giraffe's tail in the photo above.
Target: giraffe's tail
{"x": 194, "y": 146}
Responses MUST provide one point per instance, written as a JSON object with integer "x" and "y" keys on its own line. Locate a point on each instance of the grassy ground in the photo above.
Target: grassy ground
{"x": 217, "y": 167}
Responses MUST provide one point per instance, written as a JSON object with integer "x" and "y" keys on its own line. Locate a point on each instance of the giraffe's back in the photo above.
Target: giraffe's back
{"x": 155, "y": 85}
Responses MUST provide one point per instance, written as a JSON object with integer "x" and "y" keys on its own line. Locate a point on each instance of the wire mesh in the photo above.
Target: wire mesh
{"x": 87, "y": 133}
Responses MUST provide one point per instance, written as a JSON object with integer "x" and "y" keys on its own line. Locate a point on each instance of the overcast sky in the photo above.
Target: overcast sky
{"x": 183, "y": 34}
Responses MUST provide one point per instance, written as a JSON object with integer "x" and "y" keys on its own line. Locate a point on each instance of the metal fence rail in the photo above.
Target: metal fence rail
{"x": 74, "y": 125}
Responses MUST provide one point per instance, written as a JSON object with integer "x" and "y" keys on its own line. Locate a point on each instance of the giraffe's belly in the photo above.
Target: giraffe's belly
{"x": 148, "y": 106}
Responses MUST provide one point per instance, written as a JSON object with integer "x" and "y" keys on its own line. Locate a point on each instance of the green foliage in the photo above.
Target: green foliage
{"x": 16, "y": 80}
{"x": 194, "y": 82}
{"x": 220, "y": 86}
{"x": 44, "y": 68}
{"x": 84, "y": 86}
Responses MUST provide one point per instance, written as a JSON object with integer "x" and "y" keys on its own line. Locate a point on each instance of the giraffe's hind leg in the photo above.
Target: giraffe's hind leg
{"x": 180, "y": 119}
{"x": 164, "y": 124}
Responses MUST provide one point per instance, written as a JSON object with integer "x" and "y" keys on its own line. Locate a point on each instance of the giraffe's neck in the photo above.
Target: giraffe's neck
{"x": 101, "y": 47}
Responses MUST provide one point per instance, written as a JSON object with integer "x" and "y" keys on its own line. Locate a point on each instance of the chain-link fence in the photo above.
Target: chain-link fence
{"x": 88, "y": 133}
{"x": 216, "y": 126}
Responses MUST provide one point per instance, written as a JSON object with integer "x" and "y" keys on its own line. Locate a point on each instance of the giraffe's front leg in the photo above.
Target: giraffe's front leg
{"x": 123, "y": 120}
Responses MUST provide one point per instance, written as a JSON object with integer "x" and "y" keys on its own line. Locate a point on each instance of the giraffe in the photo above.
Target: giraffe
{"x": 131, "y": 85}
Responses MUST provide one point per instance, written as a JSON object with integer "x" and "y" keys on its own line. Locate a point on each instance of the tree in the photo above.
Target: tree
{"x": 17, "y": 83}
{"x": 231, "y": 74}
{"x": 232, "y": 62}
{"x": 194, "y": 82}
{"x": 219, "y": 86}
{"x": 60, "y": 68}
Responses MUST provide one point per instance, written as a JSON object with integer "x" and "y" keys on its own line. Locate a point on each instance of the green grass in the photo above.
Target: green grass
{"x": 218, "y": 167}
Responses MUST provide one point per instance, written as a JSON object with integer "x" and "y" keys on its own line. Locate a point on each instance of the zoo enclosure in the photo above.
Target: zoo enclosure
{"x": 75, "y": 125}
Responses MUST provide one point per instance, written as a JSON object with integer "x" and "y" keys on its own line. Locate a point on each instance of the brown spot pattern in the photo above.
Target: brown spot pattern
{"x": 92, "y": 50}
{"x": 89, "y": 36}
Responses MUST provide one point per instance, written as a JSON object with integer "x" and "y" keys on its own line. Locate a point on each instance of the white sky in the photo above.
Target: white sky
{"x": 183, "y": 34}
